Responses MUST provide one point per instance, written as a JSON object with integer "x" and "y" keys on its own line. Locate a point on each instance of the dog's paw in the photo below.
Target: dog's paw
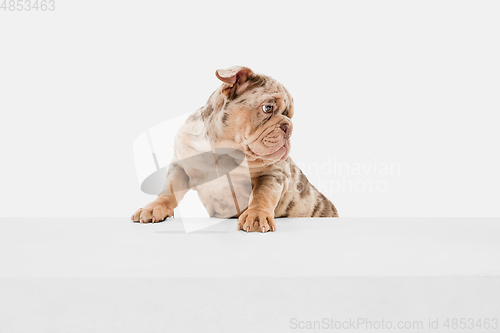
{"x": 153, "y": 212}
{"x": 256, "y": 220}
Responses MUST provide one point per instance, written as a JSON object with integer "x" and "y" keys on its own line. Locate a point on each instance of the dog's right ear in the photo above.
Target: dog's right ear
{"x": 235, "y": 79}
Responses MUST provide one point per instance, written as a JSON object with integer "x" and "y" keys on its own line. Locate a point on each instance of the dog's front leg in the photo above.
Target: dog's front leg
{"x": 265, "y": 196}
{"x": 176, "y": 186}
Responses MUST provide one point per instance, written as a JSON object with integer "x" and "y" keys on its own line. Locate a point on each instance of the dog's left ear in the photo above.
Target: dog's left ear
{"x": 235, "y": 79}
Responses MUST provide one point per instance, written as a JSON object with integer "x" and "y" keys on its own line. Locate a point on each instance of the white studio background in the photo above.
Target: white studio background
{"x": 399, "y": 95}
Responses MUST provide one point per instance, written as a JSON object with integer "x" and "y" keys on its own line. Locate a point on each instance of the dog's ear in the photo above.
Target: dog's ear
{"x": 233, "y": 75}
{"x": 235, "y": 79}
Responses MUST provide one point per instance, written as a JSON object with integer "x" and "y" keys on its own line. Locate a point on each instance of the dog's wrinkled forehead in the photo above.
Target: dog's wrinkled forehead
{"x": 259, "y": 85}
{"x": 243, "y": 86}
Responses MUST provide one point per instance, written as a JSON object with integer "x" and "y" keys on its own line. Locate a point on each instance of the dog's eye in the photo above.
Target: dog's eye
{"x": 267, "y": 108}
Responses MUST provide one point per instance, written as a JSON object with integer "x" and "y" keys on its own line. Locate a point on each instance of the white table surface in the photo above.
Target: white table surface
{"x": 112, "y": 275}
{"x": 79, "y": 247}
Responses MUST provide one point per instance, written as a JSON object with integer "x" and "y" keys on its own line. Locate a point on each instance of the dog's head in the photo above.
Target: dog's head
{"x": 254, "y": 111}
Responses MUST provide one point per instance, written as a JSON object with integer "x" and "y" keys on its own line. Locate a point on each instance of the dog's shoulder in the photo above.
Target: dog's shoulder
{"x": 191, "y": 138}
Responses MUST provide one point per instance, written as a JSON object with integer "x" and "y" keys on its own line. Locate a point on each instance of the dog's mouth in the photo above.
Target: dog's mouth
{"x": 273, "y": 144}
{"x": 279, "y": 151}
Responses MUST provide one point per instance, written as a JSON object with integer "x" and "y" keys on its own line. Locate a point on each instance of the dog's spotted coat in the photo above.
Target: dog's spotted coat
{"x": 250, "y": 113}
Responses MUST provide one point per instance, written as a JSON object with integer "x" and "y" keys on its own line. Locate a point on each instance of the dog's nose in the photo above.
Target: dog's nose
{"x": 285, "y": 128}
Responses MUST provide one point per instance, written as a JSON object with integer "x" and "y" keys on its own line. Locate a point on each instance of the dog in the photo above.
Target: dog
{"x": 249, "y": 116}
